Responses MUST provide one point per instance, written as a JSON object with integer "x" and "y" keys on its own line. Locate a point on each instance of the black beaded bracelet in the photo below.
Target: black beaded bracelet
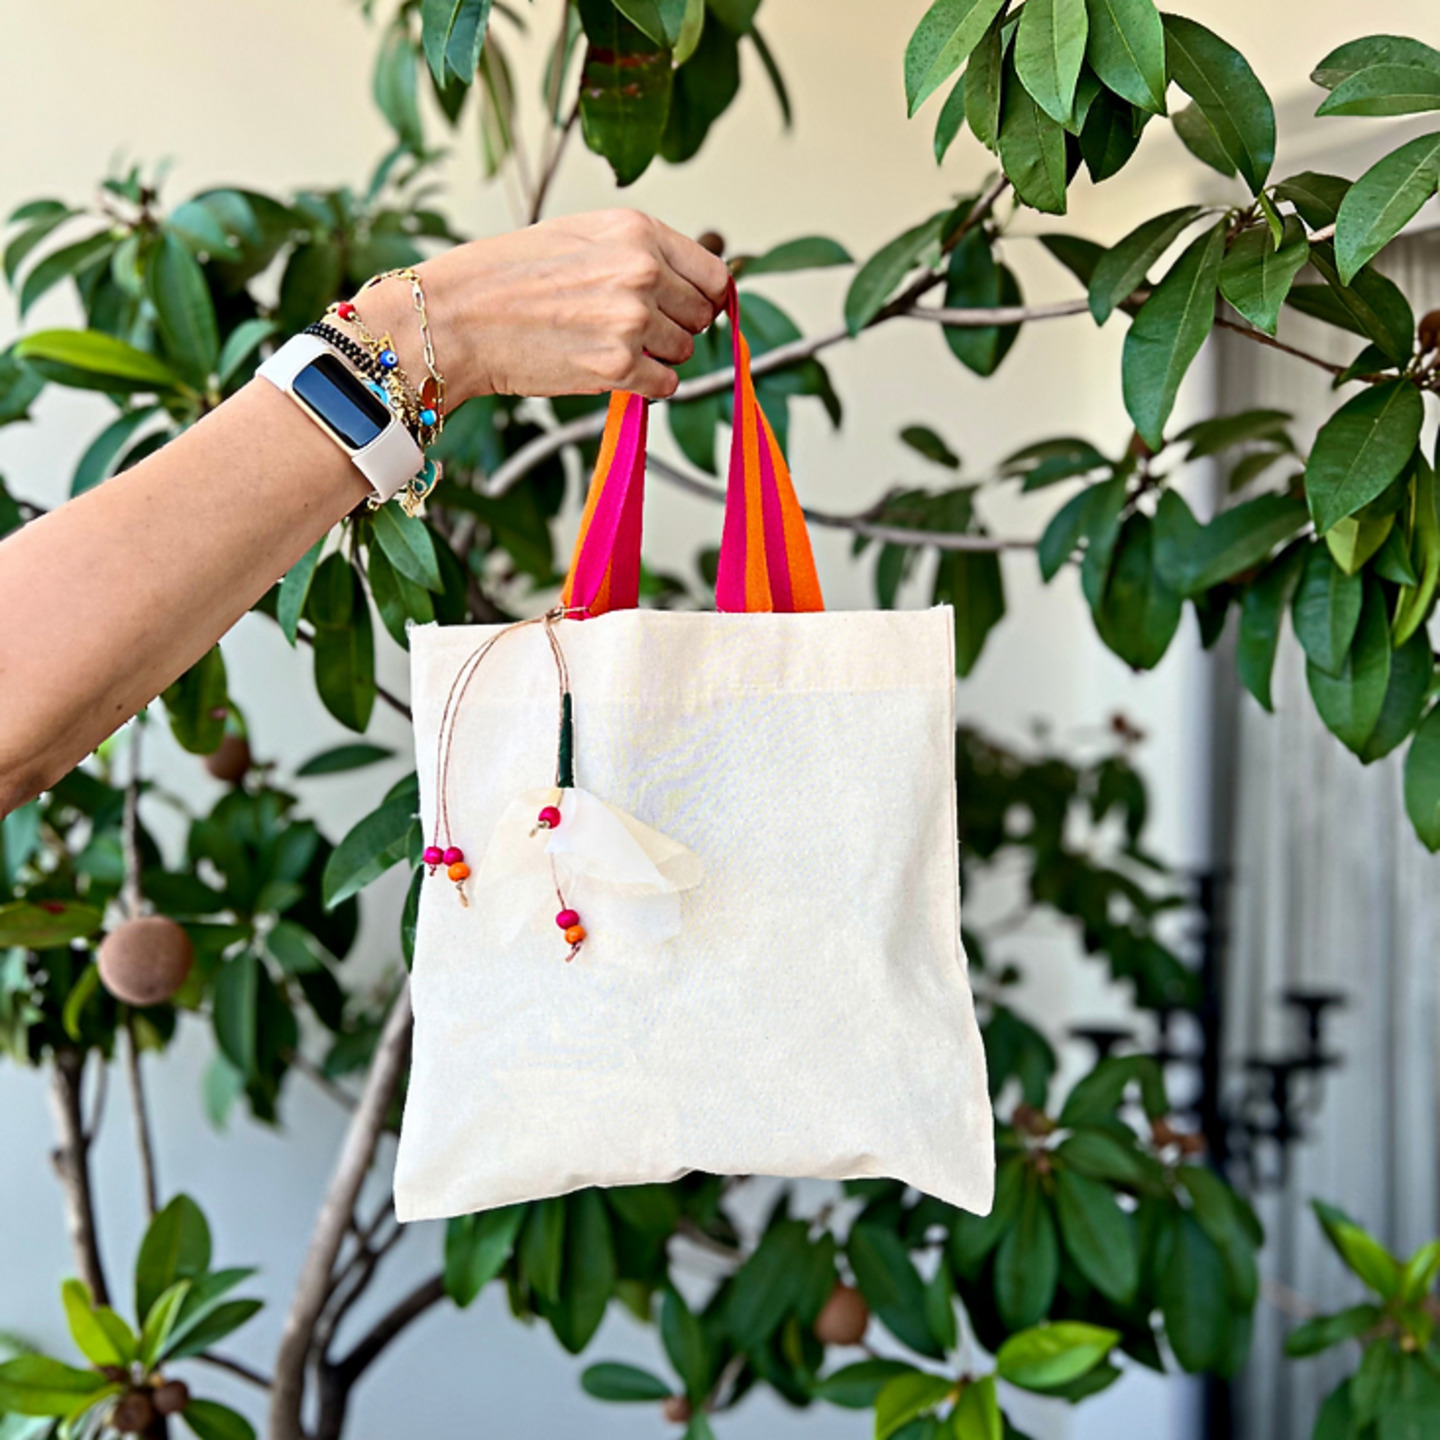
{"x": 352, "y": 350}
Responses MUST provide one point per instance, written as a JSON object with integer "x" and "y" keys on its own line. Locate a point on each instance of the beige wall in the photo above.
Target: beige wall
{"x": 272, "y": 94}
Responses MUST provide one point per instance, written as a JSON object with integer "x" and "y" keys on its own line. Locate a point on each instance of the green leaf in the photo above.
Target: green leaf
{"x": 1316, "y": 196}
{"x": 1126, "y": 49}
{"x": 1194, "y": 557}
{"x": 1326, "y": 609}
{"x": 1356, "y": 55}
{"x": 1210, "y": 437}
{"x": 1255, "y": 277}
{"x": 235, "y": 1013}
{"x": 240, "y": 344}
{"x": 924, "y": 441}
{"x": 30, "y": 236}
{"x": 1097, "y": 1097}
{"x": 1385, "y": 90}
{"x": 105, "y": 448}
{"x": 1199, "y": 138}
{"x": 940, "y": 1308}
{"x": 1371, "y": 304}
{"x": 1194, "y": 1301}
{"x": 313, "y": 276}
{"x": 976, "y": 1415}
{"x": 856, "y": 1387}
{"x": 1032, "y": 151}
{"x": 1355, "y": 539}
{"x": 176, "y": 1247}
{"x": 1262, "y": 612}
{"x": 625, "y": 91}
{"x": 1361, "y": 1252}
{"x": 624, "y": 1383}
{"x": 1219, "y": 80}
{"x": 808, "y": 252}
{"x": 888, "y": 1280}
{"x": 103, "y": 1338}
{"x": 1361, "y": 449}
{"x": 38, "y": 1385}
{"x": 198, "y": 704}
{"x": 687, "y": 1345}
{"x": 200, "y": 1332}
{"x": 46, "y": 924}
{"x": 1418, "y": 1273}
{"x": 1027, "y": 1265}
{"x": 950, "y": 118}
{"x": 982, "y": 85}
{"x": 1327, "y": 1330}
{"x": 375, "y": 844}
{"x": 974, "y": 280}
{"x": 942, "y": 42}
{"x": 408, "y": 546}
{"x": 972, "y": 582}
{"x": 880, "y": 276}
{"x": 1049, "y": 1356}
{"x": 343, "y": 758}
{"x": 62, "y": 264}
{"x": 398, "y": 600}
{"x": 907, "y": 1396}
{"x": 589, "y": 1271}
{"x": 1110, "y": 134}
{"x": 159, "y": 1321}
{"x": 1384, "y": 200}
{"x": 177, "y": 289}
{"x": 1049, "y": 51}
{"x": 703, "y": 91}
{"x": 1139, "y": 612}
{"x": 1349, "y": 701}
{"x": 1102, "y": 1154}
{"x": 1098, "y": 1236}
{"x": 345, "y": 662}
{"x": 1122, "y": 269}
{"x": 295, "y": 590}
{"x": 1412, "y": 606}
{"x": 212, "y": 1421}
{"x": 1168, "y": 332}
{"x": 395, "y": 88}
{"x": 542, "y": 1247}
{"x": 91, "y": 359}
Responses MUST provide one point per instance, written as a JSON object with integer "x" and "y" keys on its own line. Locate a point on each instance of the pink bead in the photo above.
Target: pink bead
{"x": 566, "y": 918}
{"x": 434, "y": 855}
{"x": 550, "y": 817}
{"x": 453, "y": 856}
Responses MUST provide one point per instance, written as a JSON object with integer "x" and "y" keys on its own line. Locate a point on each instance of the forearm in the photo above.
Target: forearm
{"x": 108, "y": 599}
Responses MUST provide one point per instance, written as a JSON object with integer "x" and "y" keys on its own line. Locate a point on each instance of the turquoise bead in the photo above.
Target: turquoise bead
{"x": 428, "y": 417}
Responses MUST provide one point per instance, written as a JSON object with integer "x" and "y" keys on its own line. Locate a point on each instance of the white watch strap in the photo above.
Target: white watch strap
{"x": 390, "y": 460}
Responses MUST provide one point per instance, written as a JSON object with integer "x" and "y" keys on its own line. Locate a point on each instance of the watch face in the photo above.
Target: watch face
{"x": 338, "y": 397}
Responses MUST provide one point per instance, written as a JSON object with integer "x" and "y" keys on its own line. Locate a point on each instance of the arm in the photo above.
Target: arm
{"x": 109, "y": 598}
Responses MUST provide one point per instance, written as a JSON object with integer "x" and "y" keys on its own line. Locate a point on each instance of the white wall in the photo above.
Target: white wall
{"x": 274, "y": 94}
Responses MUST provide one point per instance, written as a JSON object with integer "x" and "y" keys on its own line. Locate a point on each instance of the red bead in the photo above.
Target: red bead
{"x": 453, "y": 856}
{"x": 566, "y": 918}
{"x": 345, "y": 310}
{"x": 434, "y": 855}
{"x": 549, "y": 817}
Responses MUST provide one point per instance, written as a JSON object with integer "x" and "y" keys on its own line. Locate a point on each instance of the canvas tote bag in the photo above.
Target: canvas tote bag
{"x": 707, "y": 913}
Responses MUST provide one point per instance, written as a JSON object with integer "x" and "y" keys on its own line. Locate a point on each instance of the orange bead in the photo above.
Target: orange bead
{"x": 459, "y": 871}
{"x": 575, "y": 934}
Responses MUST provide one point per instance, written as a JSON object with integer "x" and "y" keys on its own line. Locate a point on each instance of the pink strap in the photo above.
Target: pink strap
{"x": 765, "y": 557}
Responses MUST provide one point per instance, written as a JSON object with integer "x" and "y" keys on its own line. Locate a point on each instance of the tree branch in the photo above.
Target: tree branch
{"x": 235, "y": 1367}
{"x": 1261, "y": 338}
{"x": 143, "y": 1140}
{"x": 72, "y": 1164}
{"x": 857, "y": 524}
{"x": 552, "y": 164}
{"x": 336, "y": 1212}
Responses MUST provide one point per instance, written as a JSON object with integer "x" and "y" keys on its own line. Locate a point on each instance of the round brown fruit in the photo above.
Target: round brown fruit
{"x": 676, "y": 1409}
{"x": 172, "y": 1397}
{"x": 231, "y": 761}
{"x": 843, "y": 1319}
{"x": 712, "y": 241}
{"x": 134, "y": 1414}
{"x": 1429, "y": 329}
{"x": 145, "y": 961}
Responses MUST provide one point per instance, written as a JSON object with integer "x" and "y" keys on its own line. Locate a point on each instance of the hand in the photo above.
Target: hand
{"x": 571, "y": 306}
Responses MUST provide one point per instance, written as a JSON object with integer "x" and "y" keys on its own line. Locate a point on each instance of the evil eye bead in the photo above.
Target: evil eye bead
{"x": 549, "y": 818}
{"x": 389, "y": 359}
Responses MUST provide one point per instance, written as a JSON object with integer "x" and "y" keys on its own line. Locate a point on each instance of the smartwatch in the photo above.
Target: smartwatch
{"x": 351, "y": 411}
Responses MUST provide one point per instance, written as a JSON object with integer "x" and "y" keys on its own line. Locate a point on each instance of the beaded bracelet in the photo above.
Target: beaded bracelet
{"x": 383, "y": 364}
{"x": 432, "y": 391}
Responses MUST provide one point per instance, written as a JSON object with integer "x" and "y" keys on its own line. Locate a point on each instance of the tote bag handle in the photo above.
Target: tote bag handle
{"x": 765, "y": 559}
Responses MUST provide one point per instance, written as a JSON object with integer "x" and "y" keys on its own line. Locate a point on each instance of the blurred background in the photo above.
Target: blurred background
{"x": 273, "y": 95}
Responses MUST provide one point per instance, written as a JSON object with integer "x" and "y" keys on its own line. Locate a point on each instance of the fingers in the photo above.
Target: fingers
{"x": 651, "y": 379}
{"x": 667, "y": 341}
{"x": 706, "y": 272}
{"x": 682, "y": 302}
